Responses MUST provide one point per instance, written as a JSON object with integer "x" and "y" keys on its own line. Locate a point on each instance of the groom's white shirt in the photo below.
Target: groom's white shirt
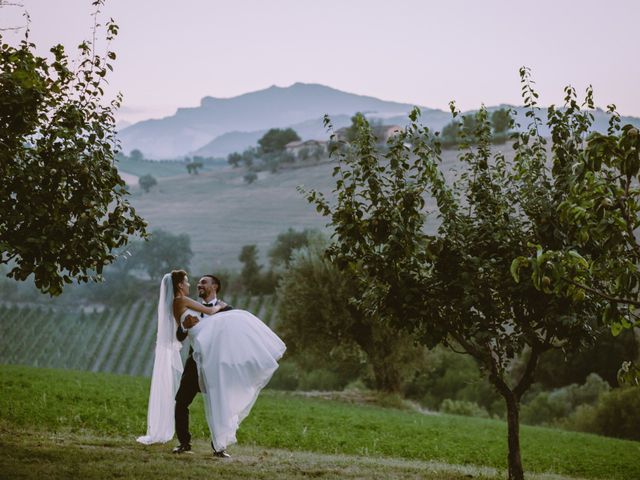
{"x": 214, "y": 301}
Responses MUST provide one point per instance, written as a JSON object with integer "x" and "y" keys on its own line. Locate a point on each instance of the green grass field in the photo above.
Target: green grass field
{"x": 152, "y": 167}
{"x": 54, "y": 419}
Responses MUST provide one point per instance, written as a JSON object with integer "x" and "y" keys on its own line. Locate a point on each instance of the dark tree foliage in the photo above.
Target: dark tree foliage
{"x": 600, "y": 213}
{"x": 250, "y": 273}
{"x": 63, "y": 206}
{"x": 161, "y": 253}
{"x": 136, "y": 155}
{"x": 275, "y": 139}
{"x": 501, "y": 121}
{"x": 319, "y": 323}
{"x": 193, "y": 167}
{"x": 147, "y": 182}
{"x": 285, "y": 244}
{"x": 250, "y": 177}
{"x": 234, "y": 159}
{"x": 456, "y": 287}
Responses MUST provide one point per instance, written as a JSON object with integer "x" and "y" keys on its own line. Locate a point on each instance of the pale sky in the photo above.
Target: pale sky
{"x": 173, "y": 53}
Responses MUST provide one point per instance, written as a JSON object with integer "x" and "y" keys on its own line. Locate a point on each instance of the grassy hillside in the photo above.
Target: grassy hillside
{"x": 222, "y": 213}
{"x": 115, "y": 340}
{"x": 98, "y": 416}
{"x": 151, "y": 167}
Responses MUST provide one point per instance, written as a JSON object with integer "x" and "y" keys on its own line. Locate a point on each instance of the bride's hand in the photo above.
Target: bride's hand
{"x": 222, "y": 305}
{"x": 190, "y": 321}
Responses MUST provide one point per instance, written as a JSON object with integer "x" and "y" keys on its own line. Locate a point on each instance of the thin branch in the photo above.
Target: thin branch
{"x": 605, "y": 296}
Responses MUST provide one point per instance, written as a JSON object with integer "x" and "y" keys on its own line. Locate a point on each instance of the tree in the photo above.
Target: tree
{"x": 501, "y": 121}
{"x": 250, "y": 273}
{"x": 161, "y": 253}
{"x": 136, "y": 155}
{"x": 321, "y": 327}
{"x": 351, "y": 132}
{"x": 63, "y": 206}
{"x": 600, "y": 212}
{"x": 250, "y": 177}
{"x": 146, "y": 182}
{"x": 450, "y": 134}
{"x": 456, "y": 287}
{"x": 248, "y": 156}
{"x": 234, "y": 159}
{"x": 275, "y": 140}
{"x": 285, "y": 244}
{"x": 193, "y": 167}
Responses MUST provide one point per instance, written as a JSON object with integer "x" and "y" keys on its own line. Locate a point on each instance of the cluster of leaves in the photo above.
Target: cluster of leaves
{"x": 600, "y": 214}
{"x": 253, "y": 279}
{"x": 456, "y": 287}
{"x": 322, "y": 327}
{"x": 63, "y": 206}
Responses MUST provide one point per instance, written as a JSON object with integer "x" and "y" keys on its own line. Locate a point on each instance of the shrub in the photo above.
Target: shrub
{"x": 463, "y": 407}
{"x": 617, "y": 414}
{"x": 286, "y": 377}
{"x": 320, "y": 379}
{"x": 448, "y": 375}
{"x": 547, "y": 408}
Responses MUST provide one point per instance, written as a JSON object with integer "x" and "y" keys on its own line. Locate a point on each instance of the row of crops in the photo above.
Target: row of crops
{"x": 116, "y": 340}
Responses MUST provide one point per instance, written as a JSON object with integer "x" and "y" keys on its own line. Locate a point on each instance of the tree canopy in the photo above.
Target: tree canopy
{"x": 63, "y": 206}
{"x": 456, "y": 287}
{"x": 275, "y": 139}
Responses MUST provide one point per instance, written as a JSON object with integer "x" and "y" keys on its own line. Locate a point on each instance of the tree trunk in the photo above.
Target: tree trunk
{"x": 513, "y": 422}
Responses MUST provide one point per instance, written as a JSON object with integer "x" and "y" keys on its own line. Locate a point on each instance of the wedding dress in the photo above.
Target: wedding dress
{"x": 236, "y": 355}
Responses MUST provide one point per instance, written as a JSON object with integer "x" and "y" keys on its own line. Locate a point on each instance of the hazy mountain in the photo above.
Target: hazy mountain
{"x": 220, "y": 126}
{"x": 192, "y": 128}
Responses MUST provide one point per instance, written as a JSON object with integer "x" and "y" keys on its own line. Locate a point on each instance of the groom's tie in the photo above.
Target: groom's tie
{"x": 206, "y": 305}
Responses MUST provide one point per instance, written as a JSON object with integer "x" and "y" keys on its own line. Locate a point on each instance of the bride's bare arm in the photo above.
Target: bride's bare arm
{"x": 186, "y": 302}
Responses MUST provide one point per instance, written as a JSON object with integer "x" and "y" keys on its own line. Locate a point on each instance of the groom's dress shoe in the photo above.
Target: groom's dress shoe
{"x": 221, "y": 454}
{"x": 186, "y": 448}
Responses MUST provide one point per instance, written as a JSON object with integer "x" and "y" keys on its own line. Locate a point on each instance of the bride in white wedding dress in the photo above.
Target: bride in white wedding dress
{"x": 236, "y": 355}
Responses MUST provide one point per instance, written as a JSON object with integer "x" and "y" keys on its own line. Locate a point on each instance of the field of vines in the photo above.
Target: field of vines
{"x": 114, "y": 340}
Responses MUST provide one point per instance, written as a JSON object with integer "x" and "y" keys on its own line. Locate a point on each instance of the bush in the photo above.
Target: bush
{"x": 463, "y": 407}
{"x": 286, "y": 377}
{"x": 448, "y": 375}
{"x": 546, "y": 408}
{"x": 617, "y": 414}
{"x": 320, "y": 379}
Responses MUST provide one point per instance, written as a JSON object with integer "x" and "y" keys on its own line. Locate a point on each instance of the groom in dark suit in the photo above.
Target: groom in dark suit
{"x": 208, "y": 289}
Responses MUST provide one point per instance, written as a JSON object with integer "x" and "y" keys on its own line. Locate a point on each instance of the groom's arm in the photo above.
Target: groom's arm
{"x": 189, "y": 322}
{"x": 181, "y": 334}
{"x": 227, "y": 307}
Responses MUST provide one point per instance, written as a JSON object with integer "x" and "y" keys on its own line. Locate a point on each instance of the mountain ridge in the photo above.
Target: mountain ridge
{"x": 219, "y": 126}
{"x": 191, "y": 128}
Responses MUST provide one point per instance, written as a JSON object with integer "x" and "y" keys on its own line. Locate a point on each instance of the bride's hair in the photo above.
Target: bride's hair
{"x": 177, "y": 276}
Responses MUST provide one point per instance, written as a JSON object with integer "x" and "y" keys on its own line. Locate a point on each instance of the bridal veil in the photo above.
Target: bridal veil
{"x": 167, "y": 369}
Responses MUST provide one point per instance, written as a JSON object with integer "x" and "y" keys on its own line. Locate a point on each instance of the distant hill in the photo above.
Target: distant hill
{"x": 220, "y": 126}
{"x": 190, "y": 129}
{"x": 239, "y": 141}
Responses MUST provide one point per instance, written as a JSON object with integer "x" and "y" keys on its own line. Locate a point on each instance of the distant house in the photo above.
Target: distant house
{"x": 385, "y": 132}
{"x": 310, "y": 146}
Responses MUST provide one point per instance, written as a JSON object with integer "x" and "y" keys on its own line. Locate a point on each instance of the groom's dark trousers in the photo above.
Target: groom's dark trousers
{"x": 186, "y": 392}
